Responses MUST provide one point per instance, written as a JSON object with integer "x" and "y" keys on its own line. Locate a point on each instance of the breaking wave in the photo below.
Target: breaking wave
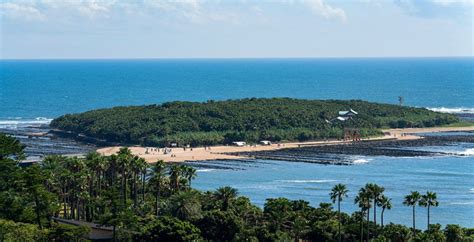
{"x": 205, "y": 170}
{"x": 468, "y": 152}
{"x": 462, "y": 203}
{"x": 452, "y": 110}
{"x": 306, "y": 181}
{"x": 361, "y": 161}
{"x": 15, "y": 123}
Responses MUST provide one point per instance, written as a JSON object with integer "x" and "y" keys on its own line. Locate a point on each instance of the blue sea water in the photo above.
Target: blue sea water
{"x": 34, "y": 91}
{"x": 49, "y": 88}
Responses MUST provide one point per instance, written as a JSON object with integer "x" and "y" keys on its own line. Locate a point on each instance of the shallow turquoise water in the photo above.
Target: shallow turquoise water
{"x": 452, "y": 177}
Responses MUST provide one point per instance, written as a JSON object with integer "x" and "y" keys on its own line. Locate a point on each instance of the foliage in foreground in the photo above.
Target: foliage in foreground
{"x": 251, "y": 120}
{"x": 17, "y": 231}
{"x": 157, "y": 203}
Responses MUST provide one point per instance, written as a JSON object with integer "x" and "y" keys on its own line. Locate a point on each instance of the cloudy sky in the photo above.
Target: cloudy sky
{"x": 235, "y": 28}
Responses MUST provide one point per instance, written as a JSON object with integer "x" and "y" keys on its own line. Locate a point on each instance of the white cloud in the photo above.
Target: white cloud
{"x": 450, "y": 9}
{"x": 95, "y": 8}
{"x": 188, "y": 5}
{"x": 451, "y": 2}
{"x": 57, "y": 9}
{"x": 326, "y": 10}
{"x": 30, "y": 10}
{"x": 193, "y": 11}
{"x": 20, "y": 11}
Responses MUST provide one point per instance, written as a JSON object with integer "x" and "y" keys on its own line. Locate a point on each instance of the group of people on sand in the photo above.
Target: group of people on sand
{"x": 166, "y": 150}
{"x": 148, "y": 150}
{"x": 401, "y": 135}
{"x": 152, "y": 150}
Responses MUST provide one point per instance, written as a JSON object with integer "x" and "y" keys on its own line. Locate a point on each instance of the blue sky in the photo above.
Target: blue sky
{"x": 237, "y": 28}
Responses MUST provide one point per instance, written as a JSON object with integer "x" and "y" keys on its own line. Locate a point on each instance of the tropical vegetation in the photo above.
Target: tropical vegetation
{"x": 155, "y": 202}
{"x": 251, "y": 120}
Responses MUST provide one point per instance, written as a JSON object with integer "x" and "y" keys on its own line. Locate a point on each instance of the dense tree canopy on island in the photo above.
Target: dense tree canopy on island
{"x": 219, "y": 122}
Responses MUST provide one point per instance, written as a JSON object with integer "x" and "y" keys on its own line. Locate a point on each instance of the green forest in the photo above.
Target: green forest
{"x": 144, "y": 202}
{"x": 250, "y": 120}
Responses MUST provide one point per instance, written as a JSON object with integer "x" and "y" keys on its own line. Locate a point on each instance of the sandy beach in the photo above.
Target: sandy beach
{"x": 218, "y": 152}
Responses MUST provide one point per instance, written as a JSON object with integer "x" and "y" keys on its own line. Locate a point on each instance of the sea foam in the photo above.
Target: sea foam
{"x": 19, "y": 122}
{"x": 467, "y": 152}
{"x": 361, "y": 161}
{"x": 205, "y": 170}
{"x": 307, "y": 181}
{"x": 452, "y": 110}
{"x": 462, "y": 203}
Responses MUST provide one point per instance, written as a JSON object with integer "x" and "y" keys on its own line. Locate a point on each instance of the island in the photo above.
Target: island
{"x": 236, "y": 129}
{"x": 248, "y": 120}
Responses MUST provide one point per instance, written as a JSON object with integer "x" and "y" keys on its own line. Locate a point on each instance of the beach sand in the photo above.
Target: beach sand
{"x": 218, "y": 152}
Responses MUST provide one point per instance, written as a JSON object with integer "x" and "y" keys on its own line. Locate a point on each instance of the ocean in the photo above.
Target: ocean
{"x": 32, "y": 92}
{"x": 49, "y": 88}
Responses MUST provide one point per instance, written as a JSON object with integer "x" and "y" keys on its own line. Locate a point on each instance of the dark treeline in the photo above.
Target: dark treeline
{"x": 145, "y": 202}
{"x": 251, "y": 120}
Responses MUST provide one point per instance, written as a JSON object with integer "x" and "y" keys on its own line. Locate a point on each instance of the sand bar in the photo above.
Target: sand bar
{"x": 217, "y": 152}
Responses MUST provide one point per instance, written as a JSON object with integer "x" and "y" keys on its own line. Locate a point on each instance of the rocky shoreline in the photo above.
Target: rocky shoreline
{"x": 39, "y": 141}
{"x": 341, "y": 154}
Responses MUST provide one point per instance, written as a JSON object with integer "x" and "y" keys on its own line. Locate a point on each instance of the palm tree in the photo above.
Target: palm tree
{"x": 143, "y": 165}
{"x": 53, "y": 169}
{"x": 428, "y": 200}
{"x": 136, "y": 168}
{"x": 189, "y": 173}
{"x": 157, "y": 181}
{"x": 99, "y": 166}
{"x": 338, "y": 192}
{"x": 33, "y": 177}
{"x": 186, "y": 205}
{"x": 385, "y": 203}
{"x": 364, "y": 202}
{"x": 175, "y": 176}
{"x": 77, "y": 184}
{"x": 125, "y": 160}
{"x": 375, "y": 192}
{"x": 412, "y": 200}
{"x": 226, "y": 195}
{"x": 51, "y": 166}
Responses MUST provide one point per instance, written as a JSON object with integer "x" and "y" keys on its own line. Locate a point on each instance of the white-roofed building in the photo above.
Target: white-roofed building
{"x": 239, "y": 143}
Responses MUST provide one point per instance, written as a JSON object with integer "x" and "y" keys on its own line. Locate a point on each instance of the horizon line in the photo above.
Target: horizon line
{"x": 237, "y": 58}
